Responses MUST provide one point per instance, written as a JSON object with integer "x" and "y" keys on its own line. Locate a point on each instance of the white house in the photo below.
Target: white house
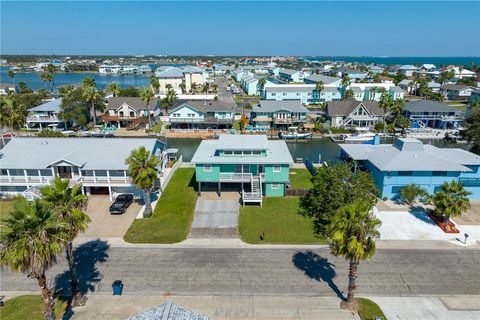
{"x": 130, "y": 111}
{"x": 97, "y": 163}
{"x": 373, "y": 91}
{"x": 408, "y": 70}
{"x": 289, "y": 75}
{"x": 110, "y": 69}
{"x": 45, "y": 116}
{"x": 461, "y": 73}
{"x": 306, "y": 93}
{"x": 6, "y": 88}
{"x": 176, "y": 76}
{"x": 351, "y": 113}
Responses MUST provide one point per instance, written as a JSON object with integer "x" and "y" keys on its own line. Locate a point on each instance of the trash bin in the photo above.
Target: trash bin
{"x": 117, "y": 287}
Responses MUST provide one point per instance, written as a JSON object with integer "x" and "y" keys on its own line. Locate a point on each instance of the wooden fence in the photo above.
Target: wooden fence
{"x": 296, "y": 192}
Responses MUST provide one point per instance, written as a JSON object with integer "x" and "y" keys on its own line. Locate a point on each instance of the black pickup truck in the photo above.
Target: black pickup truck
{"x": 121, "y": 203}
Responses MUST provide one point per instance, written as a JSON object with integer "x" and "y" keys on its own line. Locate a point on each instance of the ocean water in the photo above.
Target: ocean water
{"x": 438, "y": 61}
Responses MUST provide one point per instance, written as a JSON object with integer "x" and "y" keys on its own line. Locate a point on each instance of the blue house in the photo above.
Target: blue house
{"x": 409, "y": 161}
{"x": 289, "y": 75}
{"x": 432, "y": 114}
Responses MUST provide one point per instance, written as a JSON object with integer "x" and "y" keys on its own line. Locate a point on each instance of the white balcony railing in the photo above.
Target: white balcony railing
{"x": 235, "y": 177}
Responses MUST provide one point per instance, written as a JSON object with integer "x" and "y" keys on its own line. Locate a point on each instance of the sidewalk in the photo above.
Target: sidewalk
{"x": 102, "y": 306}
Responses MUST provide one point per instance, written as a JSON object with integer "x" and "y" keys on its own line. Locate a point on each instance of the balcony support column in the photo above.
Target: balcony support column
{"x": 40, "y": 176}
{"x": 26, "y": 177}
{"x": 219, "y": 189}
{"x": 9, "y": 176}
{"x": 125, "y": 175}
{"x": 199, "y": 188}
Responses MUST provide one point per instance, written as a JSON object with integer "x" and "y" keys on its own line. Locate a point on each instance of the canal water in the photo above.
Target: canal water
{"x": 310, "y": 149}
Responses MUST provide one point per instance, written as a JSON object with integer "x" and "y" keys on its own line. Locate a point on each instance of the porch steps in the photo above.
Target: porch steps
{"x": 32, "y": 193}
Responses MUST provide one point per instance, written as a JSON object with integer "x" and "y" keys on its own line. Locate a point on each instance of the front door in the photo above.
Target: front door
{"x": 64, "y": 172}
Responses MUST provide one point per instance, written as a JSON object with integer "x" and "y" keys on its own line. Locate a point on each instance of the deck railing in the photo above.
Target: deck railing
{"x": 235, "y": 177}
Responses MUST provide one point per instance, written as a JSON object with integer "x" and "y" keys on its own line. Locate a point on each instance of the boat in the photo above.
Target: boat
{"x": 366, "y": 136}
{"x": 295, "y": 135}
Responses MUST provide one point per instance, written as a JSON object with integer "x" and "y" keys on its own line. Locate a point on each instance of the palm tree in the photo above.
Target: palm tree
{"x": 452, "y": 200}
{"x": 261, "y": 84}
{"x": 114, "y": 88}
{"x": 169, "y": 99}
{"x": 45, "y": 78}
{"x": 146, "y": 95}
{"x": 92, "y": 95}
{"x": 154, "y": 83}
{"x": 182, "y": 87}
{"x": 351, "y": 234}
{"x": 88, "y": 82}
{"x": 14, "y": 113}
{"x": 345, "y": 82}
{"x": 31, "y": 238}
{"x": 69, "y": 204}
{"x": 319, "y": 88}
{"x": 12, "y": 74}
{"x": 194, "y": 87}
{"x": 52, "y": 69}
{"x": 142, "y": 168}
{"x": 205, "y": 88}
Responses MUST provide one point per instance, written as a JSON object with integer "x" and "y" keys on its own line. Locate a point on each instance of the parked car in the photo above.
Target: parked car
{"x": 121, "y": 203}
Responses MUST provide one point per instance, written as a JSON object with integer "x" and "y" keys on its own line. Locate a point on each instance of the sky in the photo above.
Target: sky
{"x": 242, "y": 28}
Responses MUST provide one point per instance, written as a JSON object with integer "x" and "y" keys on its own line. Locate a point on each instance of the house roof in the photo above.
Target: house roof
{"x": 169, "y": 72}
{"x": 408, "y": 67}
{"x": 88, "y": 153}
{"x": 288, "y": 71}
{"x": 276, "y": 105}
{"x": 134, "y": 102}
{"x": 192, "y": 69}
{"x": 276, "y": 151}
{"x": 324, "y": 79}
{"x": 343, "y": 108}
{"x": 428, "y": 106}
{"x": 455, "y": 87}
{"x": 203, "y": 106}
{"x": 50, "y": 106}
{"x": 407, "y": 154}
{"x": 405, "y": 82}
{"x": 396, "y": 89}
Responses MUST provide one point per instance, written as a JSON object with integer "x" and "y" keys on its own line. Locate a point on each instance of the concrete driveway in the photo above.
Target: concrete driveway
{"x": 215, "y": 218}
{"x": 105, "y": 225}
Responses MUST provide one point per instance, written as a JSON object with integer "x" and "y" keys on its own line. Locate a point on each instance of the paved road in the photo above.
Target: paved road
{"x": 266, "y": 272}
{"x": 223, "y": 94}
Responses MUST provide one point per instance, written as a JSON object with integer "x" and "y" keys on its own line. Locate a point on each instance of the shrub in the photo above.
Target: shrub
{"x": 410, "y": 193}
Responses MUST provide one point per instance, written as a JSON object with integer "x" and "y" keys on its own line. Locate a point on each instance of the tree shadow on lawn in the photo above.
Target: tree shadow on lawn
{"x": 318, "y": 268}
{"x": 86, "y": 258}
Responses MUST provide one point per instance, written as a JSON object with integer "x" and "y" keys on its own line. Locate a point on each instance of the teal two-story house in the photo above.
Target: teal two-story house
{"x": 258, "y": 167}
{"x": 201, "y": 115}
{"x": 409, "y": 161}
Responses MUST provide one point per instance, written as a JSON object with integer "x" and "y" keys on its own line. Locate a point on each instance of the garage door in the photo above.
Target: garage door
{"x": 99, "y": 190}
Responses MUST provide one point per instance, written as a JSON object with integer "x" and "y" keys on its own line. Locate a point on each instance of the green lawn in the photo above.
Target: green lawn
{"x": 369, "y": 310}
{"x": 29, "y": 307}
{"x": 172, "y": 218}
{"x": 278, "y": 220}
{"x": 300, "y": 179}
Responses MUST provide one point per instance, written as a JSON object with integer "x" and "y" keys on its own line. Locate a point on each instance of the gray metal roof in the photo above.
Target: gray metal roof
{"x": 169, "y": 311}
{"x": 456, "y": 87}
{"x": 288, "y": 71}
{"x": 170, "y": 72}
{"x": 407, "y": 154}
{"x": 134, "y": 102}
{"x": 51, "y": 106}
{"x": 277, "y": 105}
{"x": 396, "y": 89}
{"x": 203, "y": 106}
{"x": 324, "y": 79}
{"x": 428, "y": 106}
{"x": 88, "y": 153}
{"x": 276, "y": 151}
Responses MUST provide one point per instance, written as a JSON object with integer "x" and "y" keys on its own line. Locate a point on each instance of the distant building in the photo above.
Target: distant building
{"x": 373, "y": 91}
{"x": 351, "y": 113}
{"x": 432, "y": 114}
{"x": 409, "y": 161}
{"x": 45, "y": 116}
{"x": 408, "y": 70}
{"x": 110, "y": 69}
{"x": 176, "y": 76}
{"x": 327, "y": 81}
{"x": 6, "y": 88}
{"x": 289, "y": 75}
{"x": 457, "y": 91}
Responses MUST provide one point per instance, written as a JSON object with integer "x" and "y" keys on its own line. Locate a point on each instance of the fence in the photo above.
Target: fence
{"x": 296, "y": 192}
{"x": 310, "y": 167}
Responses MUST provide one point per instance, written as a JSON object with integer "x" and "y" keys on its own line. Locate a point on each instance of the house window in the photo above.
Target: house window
{"x": 405, "y": 173}
{"x": 207, "y": 168}
{"x": 274, "y": 94}
{"x": 237, "y": 153}
{"x": 439, "y": 173}
{"x": 228, "y": 152}
{"x": 256, "y": 152}
{"x": 277, "y": 168}
{"x": 275, "y": 186}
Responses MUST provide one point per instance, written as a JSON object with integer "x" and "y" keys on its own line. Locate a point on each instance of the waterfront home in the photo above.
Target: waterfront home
{"x": 144, "y": 68}
{"x": 409, "y": 161}
{"x": 327, "y": 81}
{"x": 45, "y": 116}
{"x": 97, "y": 163}
{"x": 279, "y": 115}
{"x": 130, "y": 111}
{"x": 201, "y": 115}
{"x": 373, "y": 91}
{"x": 352, "y": 113}
{"x": 408, "y": 70}
{"x": 6, "y": 88}
{"x": 176, "y": 76}
{"x": 457, "y": 91}
{"x": 109, "y": 69}
{"x": 289, "y": 75}
{"x": 432, "y": 114}
{"x": 306, "y": 93}
{"x": 258, "y": 166}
